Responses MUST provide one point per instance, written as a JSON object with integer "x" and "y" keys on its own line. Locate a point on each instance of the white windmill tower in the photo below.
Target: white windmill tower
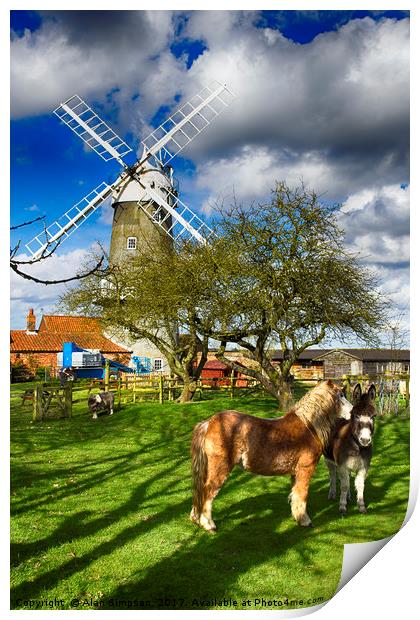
{"x": 143, "y": 195}
{"x": 147, "y": 208}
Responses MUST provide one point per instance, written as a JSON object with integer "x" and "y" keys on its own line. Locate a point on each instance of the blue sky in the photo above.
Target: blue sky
{"x": 307, "y": 106}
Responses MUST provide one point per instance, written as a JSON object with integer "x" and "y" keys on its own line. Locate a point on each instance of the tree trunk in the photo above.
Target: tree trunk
{"x": 272, "y": 381}
{"x": 285, "y": 396}
{"x": 281, "y": 390}
{"x": 188, "y": 390}
{"x": 285, "y": 385}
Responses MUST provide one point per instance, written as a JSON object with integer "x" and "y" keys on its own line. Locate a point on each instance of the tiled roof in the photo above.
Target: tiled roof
{"x": 69, "y": 324}
{"x": 217, "y": 365}
{"x": 379, "y": 355}
{"x": 53, "y": 342}
{"x": 367, "y": 355}
{"x": 307, "y": 354}
{"x": 214, "y": 365}
{"x": 55, "y": 330}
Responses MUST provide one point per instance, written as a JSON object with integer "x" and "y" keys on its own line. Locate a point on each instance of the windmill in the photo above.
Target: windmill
{"x": 144, "y": 195}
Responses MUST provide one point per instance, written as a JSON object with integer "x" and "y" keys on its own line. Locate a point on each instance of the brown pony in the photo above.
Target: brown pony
{"x": 292, "y": 444}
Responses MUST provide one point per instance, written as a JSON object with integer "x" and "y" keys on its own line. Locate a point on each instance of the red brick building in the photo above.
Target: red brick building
{"x": 33, "y": 348}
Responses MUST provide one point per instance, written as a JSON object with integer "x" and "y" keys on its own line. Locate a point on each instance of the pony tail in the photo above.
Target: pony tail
{"x": 199, "y": 465}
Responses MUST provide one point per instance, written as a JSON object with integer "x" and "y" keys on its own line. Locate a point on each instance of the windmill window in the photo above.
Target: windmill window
{"x": 131, "y": 243}
{"x": 157, "y": 216}
{"x": 158, "y": 364}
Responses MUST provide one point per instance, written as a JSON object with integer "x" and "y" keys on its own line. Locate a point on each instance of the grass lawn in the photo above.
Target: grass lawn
{"x": 100, "y": 511}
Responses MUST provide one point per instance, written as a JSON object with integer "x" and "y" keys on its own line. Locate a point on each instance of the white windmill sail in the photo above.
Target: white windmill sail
{"x": 165, "y": 142}
{"x": 174, "y": 217}
{"x": 90, "y": 128}
{"x": 70, "y": 221}
{"x": 161, "y": 146}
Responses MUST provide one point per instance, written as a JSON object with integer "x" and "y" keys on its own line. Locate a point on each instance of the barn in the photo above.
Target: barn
{"x": 334, "y": 363}
{"x": 216, "y": 373}
{"x": 31, "y": 348}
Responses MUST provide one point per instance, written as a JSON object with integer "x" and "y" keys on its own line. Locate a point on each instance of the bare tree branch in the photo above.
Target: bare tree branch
{"x": 41, "y": 217}
{"x": 47, "y": 251}
{"x": 96, "y": 269}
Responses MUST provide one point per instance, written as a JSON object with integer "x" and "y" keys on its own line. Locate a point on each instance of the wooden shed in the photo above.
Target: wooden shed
{"x": 338, "y": 362}
{"x": 334, "y": 363}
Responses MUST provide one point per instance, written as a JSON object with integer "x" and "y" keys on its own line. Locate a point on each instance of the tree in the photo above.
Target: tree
{"x": 17, "y": 265}
{"x": 274, "y": 275}
{"x": 290, "y": 283}
{"x": 153, "y": 296}
{"x": 396, "y": 337}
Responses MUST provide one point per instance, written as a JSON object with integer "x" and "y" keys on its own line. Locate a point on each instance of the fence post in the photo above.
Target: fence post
{"x": 199, "y": 389}
{"x": 37, "y": 410}
{"x": 347, "y": 387}
{"x": 232, "y": 383}
{"x": 106, "y": 375}
{"x": 161, "y": 389}
{"x": 68, "y": 400}
{"x": 119, "y": 392}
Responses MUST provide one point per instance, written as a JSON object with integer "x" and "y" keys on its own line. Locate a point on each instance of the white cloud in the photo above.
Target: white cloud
{"x": 251, "y": 174}
{"x": 319, "y": 96}
{"x": 310, "y": 112}
{"x": 395, "y": 284}
{"x": 342, "y": 99}
{"x": 90, "y": 55}
{"x": 107, "y": 213}
{"x": 333, "y": 113}
{"x": 28, "y": 294}
{"x": 377, "y": 223}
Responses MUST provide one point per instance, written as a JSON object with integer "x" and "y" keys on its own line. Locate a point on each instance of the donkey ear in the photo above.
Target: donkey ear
{"x": 372, "y": 392}
{"x": 357, "y": 394}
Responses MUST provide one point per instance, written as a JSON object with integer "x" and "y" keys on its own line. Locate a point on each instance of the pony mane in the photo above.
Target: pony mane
{"x": 316, "y": 409}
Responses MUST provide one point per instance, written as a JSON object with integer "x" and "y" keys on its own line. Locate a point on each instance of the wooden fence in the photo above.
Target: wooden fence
{"x": 50, "y": 401}
{"x": 133, "y": 388}
{"x": 54, "y": 401}
{"x": 392, "y": 389}
{"x": 57, "y": 401}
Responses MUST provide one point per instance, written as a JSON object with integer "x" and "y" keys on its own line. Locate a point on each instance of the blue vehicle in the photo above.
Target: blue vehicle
{"x": 87, "y": 364}
{"x": 143, "y": 365}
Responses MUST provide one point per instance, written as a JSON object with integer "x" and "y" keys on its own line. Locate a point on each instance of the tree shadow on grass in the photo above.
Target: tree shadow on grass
{"x": 78, "y": 527}
{"x": 206, "y": 565}
{"x": 211, "y": 565}
{"x": 118, "y": 465}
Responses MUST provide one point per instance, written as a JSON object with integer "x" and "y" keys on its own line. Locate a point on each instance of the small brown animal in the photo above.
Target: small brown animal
{"x": 350, "y": 449}
{"x": 292, "y": 444}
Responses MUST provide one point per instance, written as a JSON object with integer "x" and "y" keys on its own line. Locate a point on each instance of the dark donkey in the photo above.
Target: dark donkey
{"x": 351, "y": 448}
